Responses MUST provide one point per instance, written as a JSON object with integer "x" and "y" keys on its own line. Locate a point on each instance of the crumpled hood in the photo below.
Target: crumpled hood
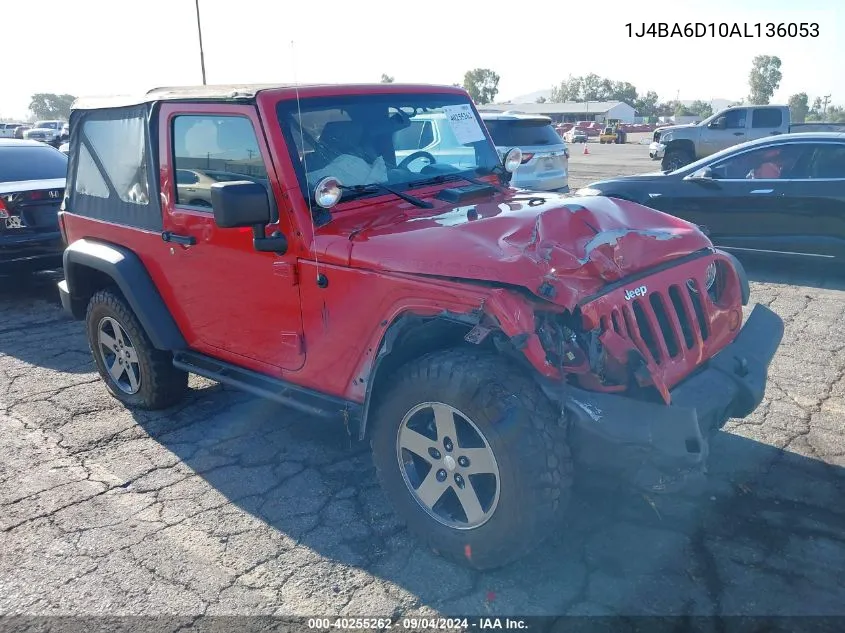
{"x": 559, "y": 247}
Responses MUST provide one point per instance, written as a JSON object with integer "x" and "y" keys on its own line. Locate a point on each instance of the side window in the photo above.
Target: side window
{"x": 213, "y": 148}
{"x": 767, "y": 163}
{"x": 766, "y": 117}
{"x": 826, "y": 161}
{"x": 186, "y": 177}
{"x": 120, "y": 146}
{"x": 735, "y": 119}
{"x": 89, "y": 182}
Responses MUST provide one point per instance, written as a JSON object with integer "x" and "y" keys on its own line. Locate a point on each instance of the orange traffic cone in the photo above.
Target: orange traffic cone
{"x": 586, "y": 151}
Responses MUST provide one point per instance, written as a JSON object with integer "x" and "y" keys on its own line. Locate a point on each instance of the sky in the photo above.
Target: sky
{"x": 120, "y": 47}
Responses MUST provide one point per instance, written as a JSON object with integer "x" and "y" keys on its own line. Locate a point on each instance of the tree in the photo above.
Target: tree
{"x": 763, "y": 79}
{"x": 568, "y": 90}
{"x": 799, "y": 107}
{"x": 682, "y": 110}
{"x": 46, "y": 105}
{"x": 624, "y": 92}
{"x": 701, "y": 109}
{"x": 647, "y": 104}
{"x": 386, "y": 79}
{"x": 541, "y": 99}
{"x": 482, "y": 84}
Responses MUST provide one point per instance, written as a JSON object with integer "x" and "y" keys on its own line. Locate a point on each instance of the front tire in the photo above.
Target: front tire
{"x": 473, "y": 457}
{"x": 676, "y": 159}
{"x": 134, "y": 371}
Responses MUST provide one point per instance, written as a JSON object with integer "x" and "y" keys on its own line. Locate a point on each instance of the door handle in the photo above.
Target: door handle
{"x": 739, "y": 133}
{"x": 185, "y": 240}
{"x": 762, "y": 191}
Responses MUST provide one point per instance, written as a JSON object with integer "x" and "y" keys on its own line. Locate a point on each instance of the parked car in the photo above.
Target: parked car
{"x": 32, "y": 184}
{"x": 193, "y": 186}
{"x": 575, "y": 135}
{"x": 7, "y": 130}
{"x": 459, "y": 324}
{"x": 49, "y": 132}
{"x": 20, "y": 130}
{"x": 782, "y": 195}
{"x": 679, "y": 145}
{"x": 545, "y": 157}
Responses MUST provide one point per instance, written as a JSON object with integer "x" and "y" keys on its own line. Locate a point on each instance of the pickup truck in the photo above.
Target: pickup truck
{"x": 679, "y": 145}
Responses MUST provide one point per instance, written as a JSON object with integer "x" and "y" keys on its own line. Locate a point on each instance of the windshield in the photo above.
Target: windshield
{"x": 31, "y": 163}
{"x": 398, "y": 140}
{"x": 47, "y": 124}
{"x": 522, "y": 132}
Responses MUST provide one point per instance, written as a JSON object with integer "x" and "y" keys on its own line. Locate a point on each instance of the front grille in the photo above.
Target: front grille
{"x": 665, "y": 325}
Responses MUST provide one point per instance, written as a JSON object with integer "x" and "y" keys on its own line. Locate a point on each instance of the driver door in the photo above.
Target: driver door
{"x": 234, "y": 303}
{"x": 747, "y": 213}
{"x": 735, "y": 131}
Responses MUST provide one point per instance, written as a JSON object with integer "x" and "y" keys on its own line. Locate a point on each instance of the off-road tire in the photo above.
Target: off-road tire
{"x": 675, "y": 159}
{"x": 527, "y": 437}
{"x": 161, "y": 384}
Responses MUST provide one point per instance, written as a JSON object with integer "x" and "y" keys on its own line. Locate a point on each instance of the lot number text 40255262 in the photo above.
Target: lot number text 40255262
{"x": 723, "y": 29}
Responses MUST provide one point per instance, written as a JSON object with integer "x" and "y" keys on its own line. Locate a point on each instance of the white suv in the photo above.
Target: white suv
{"x": 545, "y": 157}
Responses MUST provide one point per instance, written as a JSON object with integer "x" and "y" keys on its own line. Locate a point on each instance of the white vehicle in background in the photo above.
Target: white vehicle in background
{"x": 49, "y": 132}
{"x": 7, "y": 130}
{"x": 545, "y": 157}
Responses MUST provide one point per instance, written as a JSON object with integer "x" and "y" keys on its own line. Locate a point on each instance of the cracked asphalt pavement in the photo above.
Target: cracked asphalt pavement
{"x": 232, "y": 505}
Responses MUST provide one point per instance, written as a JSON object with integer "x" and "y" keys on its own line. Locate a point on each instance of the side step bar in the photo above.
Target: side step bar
{"x": 299, "y": 398}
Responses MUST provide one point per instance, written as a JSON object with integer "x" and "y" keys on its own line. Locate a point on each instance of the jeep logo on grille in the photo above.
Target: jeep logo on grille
{"x": 635, "y": 292}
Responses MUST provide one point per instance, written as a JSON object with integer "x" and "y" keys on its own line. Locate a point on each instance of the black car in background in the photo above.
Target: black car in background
{"x": 32, "y": 185}
{"x": 781, "y": 195}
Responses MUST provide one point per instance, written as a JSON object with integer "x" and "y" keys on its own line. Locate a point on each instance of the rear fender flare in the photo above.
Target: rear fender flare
{"x": 129, "y": 274}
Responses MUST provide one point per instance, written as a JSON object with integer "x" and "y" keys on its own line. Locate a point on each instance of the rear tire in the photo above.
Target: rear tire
{"x": 491, "y": 405}
{"x": 135, "y": 372}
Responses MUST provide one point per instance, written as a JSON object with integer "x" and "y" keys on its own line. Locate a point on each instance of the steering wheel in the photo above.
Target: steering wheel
{"x": 410, "y": 158}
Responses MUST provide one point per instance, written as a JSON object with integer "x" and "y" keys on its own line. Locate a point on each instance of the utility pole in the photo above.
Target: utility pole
{"x": 199, "y": 32}
{"x": 825, "y": 101}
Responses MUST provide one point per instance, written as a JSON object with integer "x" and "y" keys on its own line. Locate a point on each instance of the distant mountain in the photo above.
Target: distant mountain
{"x": 531, "y": 97}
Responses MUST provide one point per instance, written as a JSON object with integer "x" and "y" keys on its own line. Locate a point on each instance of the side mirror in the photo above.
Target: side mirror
{"x": 239, "y": 204}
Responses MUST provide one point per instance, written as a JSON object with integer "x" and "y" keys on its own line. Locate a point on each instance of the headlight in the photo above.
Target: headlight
{"x": 588, "y": 191}
{"x": 709, "y": 281}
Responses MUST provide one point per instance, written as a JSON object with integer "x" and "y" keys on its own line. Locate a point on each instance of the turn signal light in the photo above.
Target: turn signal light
{"x": 4, "y": 213}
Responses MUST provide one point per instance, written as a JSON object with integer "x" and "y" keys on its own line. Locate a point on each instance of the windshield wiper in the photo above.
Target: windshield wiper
{"x": 377, "y": 186}
{"x": 435, "y": 180}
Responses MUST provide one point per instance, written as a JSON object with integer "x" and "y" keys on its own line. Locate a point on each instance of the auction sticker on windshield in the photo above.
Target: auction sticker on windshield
{"x": 464, "y": 124}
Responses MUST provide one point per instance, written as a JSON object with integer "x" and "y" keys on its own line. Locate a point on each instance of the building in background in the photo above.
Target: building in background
{"x": 570, "y": 112}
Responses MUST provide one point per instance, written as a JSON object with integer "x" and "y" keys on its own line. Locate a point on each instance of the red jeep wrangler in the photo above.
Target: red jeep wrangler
{"x": 331, "y": 248}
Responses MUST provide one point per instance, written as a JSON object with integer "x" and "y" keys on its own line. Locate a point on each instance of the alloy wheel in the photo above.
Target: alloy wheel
{"x": 448, "y": 465}
{"x": 119, "y": 355}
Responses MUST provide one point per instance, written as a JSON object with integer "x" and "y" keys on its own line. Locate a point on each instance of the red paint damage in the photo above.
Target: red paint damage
{"x": 559, "y": 248}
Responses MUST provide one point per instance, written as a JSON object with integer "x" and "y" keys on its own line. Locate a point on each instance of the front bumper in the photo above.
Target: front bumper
{"x": 656, "y": 150}
{"x": 663, "y": 446}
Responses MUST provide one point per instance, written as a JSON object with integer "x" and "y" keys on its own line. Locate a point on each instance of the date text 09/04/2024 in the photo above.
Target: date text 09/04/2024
{"x": 723, "y": 29}
{"x": 447, "y": 625}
